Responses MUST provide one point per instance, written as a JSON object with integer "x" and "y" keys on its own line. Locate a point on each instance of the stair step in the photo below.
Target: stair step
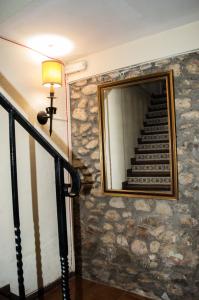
{"x": 6, "y": 294}
{"x": 155, "y": 128}
{"x": 164, "y": 180}
{"x": 140, "y": 141}
{"x": 154, "y": 137}
{"x": 148, "y": 151}
{"x": 152, "y": 157}
{"x": 147, "y": 174}
{"x": 141, "y": 187}
{"x": 4, "y": 297}
{"x": 153, "y": 146}
{"x": 151, "y": 168}
{"x": 159, "y": 99}
{"x": 159, "y": 96}
{"x": 156, "y": 121}
{"x": 160, "y": 106}
{"x": 149, "y": 162}
{"x": 157, "y": 114}
{"x": 153, "y": 132}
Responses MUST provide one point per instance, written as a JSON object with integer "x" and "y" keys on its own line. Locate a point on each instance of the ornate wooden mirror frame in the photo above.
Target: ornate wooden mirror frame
{"x": 138, "y": 137}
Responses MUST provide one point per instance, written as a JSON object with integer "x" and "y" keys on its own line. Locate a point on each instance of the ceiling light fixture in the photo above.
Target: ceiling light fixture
{"x": 51, "y": 45}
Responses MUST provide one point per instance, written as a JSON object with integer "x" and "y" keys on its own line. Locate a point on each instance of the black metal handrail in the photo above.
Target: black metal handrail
{"x": 62, "y": 190}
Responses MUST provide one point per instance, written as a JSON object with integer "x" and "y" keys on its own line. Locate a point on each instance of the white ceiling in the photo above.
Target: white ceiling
{"x": 93, "y": 25}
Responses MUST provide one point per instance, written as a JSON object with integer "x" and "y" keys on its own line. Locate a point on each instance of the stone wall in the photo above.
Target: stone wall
{"x": 150, "y": 247}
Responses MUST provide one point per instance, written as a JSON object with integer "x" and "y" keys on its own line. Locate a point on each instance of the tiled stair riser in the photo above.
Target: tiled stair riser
{"x": 151, "y": 168}
{"x": 152, "y": 156}
{"x": 150, "y": 180}
{"x": 160, "y": 106}
{"x": 158, "y": 113}
{"x": 156, "y": 121}
{"x": 156, "y": 146}
{"x": 156, "y": 128}
{"x": 155, "y": 137}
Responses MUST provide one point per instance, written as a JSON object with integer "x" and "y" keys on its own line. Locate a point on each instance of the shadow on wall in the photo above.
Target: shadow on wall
{"x": 35, "y": 212}
{"x": 86, "y": 187}
{"x": 30, "y": 112}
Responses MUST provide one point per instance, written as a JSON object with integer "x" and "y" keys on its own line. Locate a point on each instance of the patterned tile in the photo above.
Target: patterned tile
{"x": 158, "y": 106}
{"x": 156, "y": 121}
{"x": 156, "y": 146}
{"x": 157, "y": 113}
{"x": 149, "y": 180}
{"x": 155, "y": 137}
{"x": 151, "y": 168}
{"x": 156, "y": 128}
{"x": 152, "y": 156}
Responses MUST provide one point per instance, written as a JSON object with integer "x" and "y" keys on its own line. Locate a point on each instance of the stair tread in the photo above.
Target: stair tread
{"x": 147, "y": 132}
{"x": 158, "y": 101}
{"x": 150, "y": 167}
{"x": 156, "y": 114}
{"x": 149, "y": 162}
{"x": 147, "y": 135}
{"x": 152, "y": 156}
{"x": 147, "y": 179}
{"x": 140, "y": 141}
{"x": 148, "y": 117}
{"x": 156, "y": 121}
{"x": 4, "y": 297}
{"x": 150, "y": 151}
{"x": 5, "y": 292}
{"x": 158, "y": 96}
{"x": 154, "y": 136}
{"x": 152, "y": 146}
{"x": 152, "y": 162}
{"x": 149, "y": 174}
{"x": 127, "y": 186}
{"x": 154, "y": 107}
{"x": 156, "y": 128}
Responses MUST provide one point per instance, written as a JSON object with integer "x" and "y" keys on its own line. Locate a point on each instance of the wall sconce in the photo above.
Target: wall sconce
{"x": 51, "y": 77}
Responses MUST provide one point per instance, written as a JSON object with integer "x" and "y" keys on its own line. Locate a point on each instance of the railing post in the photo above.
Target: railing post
{"x": 15, "y": 204}
{"x": 62, "y": 227}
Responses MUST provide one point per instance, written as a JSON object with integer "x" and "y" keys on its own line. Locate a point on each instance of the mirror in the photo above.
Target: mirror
{"x": 138, "y": 139}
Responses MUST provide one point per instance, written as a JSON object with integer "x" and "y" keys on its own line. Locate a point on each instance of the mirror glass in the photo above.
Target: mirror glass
{"x": 138, "y": 141}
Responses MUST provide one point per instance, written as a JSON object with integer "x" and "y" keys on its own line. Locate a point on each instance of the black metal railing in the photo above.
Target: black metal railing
{"x": 62, "y": 190}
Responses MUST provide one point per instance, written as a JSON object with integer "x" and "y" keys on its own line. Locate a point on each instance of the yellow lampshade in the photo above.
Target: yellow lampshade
{"x": 51, "y": 73}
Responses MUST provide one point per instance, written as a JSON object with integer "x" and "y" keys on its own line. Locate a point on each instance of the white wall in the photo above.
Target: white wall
{"x": 163, "y": 44}
{"x": 135, "y": 103}
{"x": 114, "y": 139}
{"x": 22, "y": 68}
{"x": 7, "y": 245}
{"x": 125, "y": 109}
{"x": 22, "y": 72}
